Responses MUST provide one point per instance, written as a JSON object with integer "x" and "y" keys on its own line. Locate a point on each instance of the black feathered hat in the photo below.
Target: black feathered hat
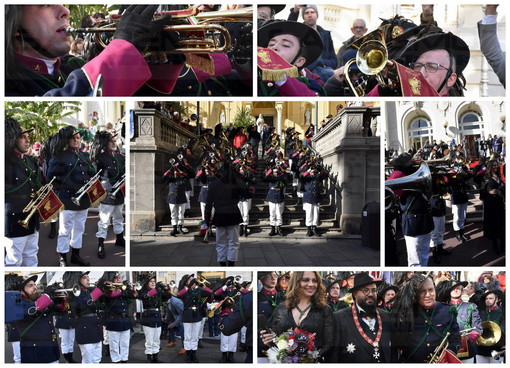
{"x": 12, "y": 131}
{"x": 59, "y": 141}
{"x": 99, "y": 144}
{"x": 308, "y": 37}
{"x": 13, "y": 282}
{"x": 144, "y": 278}
{"x": 183, "y": 281}
{"x": 27, "y": 280}
{"x": 71, "y": 278}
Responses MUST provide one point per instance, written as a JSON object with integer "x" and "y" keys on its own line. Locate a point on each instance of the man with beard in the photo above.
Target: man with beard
{"x": 420, "y": 323}
{"x": 362, "y": 332}
{"x": 495, "y": 313}
{"x": 38, "y": 337}
{"x": 268, "y": 299}
{"x": 22, "y": 180}
{"x": 450, "y": 293}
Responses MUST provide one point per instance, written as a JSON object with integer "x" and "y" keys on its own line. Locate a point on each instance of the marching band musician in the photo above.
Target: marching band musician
{"x": 36, "y": 42}
{"x": 362, "y": 331}
{"x": 118, "y": 321}
{"x": 22, "y": 180}
{"x": 152, "y": 298}
{"x": 438, "y": 212}
{"x": 458, "y": 187}
{"x": 192, "y": 293}
{"x": 72, "y": 169}
{"x": 333, "y": 293}
{"x": 387, "y": 297}
{"x": 312, "y": 176}
{"x": 177, "y": 179}
{"x": 227, "y": 292}
{"x": 468, "y": 318}
{"x": 38, "y": 338}
{"x": 297, "y": 44}
{"x": 244, "y": 166}
{"x": 494, "y": 312}
{"x": 105, "y": 155}
{"x": 420, "y": 323}
{"x": 89, "y": 332}
{"x": 206, "y": 174}
{"x": 277, "y": 177}
{"x": 13, "y": 283}
{"x": 268, "y": 299}
{"x": 65, "y": 321}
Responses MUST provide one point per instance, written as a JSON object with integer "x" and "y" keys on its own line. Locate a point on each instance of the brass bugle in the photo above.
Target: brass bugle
{"x": 202, "y": 282}
{"x": 31, "y": 207}
{"x": 118, "y": 185}
{"x": 83, "y": 190}
{"x": 76, "y": 290}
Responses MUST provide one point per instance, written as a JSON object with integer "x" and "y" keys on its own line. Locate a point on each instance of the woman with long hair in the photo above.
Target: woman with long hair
{"x": 305, "y": 308}
{"x": 492, "y": 194}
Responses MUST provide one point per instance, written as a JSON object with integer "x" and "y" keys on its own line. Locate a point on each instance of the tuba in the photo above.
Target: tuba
{"x": 491, "y": 334}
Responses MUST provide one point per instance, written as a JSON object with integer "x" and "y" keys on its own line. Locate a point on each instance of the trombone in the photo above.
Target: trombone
{"x": 83, "y": 190}
{"x": 32, "y": 205}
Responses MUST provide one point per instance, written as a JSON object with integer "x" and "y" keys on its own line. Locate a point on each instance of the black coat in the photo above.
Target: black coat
{"x": 113, "y": 166}
{"x": 224, "y": 197}
{"x": 350, "y": 347}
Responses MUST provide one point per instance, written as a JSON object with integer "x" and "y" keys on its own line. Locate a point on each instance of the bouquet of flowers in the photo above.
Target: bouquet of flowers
{"x": 294, "y": 346}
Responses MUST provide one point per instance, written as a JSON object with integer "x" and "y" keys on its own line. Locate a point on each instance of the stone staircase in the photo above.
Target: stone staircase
{"x": 293, "y": 215}
{"x": 474, "y": 210}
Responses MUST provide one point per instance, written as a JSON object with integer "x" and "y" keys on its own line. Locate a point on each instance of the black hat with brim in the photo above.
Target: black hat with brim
{"x": 496, "y": 292}
{"x": 388, "y": 288}
{"x": 27, "y": 280}
{"x": 438, "y": 41}
{"x": 306, "y": 34}
{"x": 262, "y": 274}
{"x": 362, "y": 279}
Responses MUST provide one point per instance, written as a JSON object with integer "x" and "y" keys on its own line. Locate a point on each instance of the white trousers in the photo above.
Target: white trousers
{"x": 119, "y": 345}
{"x": 16, "y": 352}
{"x": 243, "y": 334}
{"x": 70, "y": 229}
{"x": 191, "y": 330}
{"x": 459, "y": 215}
{"x": 228, "y": 343}
{"x": 418, "y": 249}
{"x": 312, "y": 214}
{"x": 177, "y": 213}
{"x": 201, "y": 328}
{"x": 438, "y": 232}
{"x": 187, "y": 205}
{"x": 66, "y": 339}
{"x": 107, "y": 211}
{"x": 91, "y": 353}
{"x": 245, "y": 207}
{"x": 227, "y": 243}
{"x": 276, "y": 213}
{"x": 152, "y": 341}
{"x": 202, "y": 209}
{"x": 22, "y": 250}
{"x": 488, "y": 360}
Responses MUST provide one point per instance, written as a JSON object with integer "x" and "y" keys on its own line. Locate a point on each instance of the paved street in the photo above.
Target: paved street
{"x": 210, "y": 353}
{"x": 159, "y": 249}
{"x": 115, "y": 256}
{"x": 476, "y": 252}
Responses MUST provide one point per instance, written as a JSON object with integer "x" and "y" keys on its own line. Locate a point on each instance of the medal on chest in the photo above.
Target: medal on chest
{"x": 374, "y": 343}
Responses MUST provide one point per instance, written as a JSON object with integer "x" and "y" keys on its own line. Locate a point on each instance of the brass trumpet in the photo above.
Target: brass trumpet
{"x": 31, "y": 207}
{"x": 61, "y": 293}
{"x": 118, "y": 185}
{"x": 230, "y": 299}
{"x": 202, "y": 282}
{"x": 83, "y": 190}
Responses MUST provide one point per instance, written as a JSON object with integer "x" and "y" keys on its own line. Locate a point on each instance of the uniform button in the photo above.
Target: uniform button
{"x": 426, "y": 321}
{"x": 190, "y": 87}
{"x": 209, "y": 93}
{"x": 270, "y": 84}
{"x": 428, "y": 344}
{"x": 17, "y": 179}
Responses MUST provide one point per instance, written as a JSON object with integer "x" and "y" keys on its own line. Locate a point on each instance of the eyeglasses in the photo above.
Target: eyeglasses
{"x": 367, "y": 291}
{"x": 358, "y": 27}
{"x": 429, "y": 67}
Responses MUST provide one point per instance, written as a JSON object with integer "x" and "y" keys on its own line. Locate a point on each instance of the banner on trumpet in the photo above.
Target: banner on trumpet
{"x": 96, "y": 193}
{"x": 49, "y": 207}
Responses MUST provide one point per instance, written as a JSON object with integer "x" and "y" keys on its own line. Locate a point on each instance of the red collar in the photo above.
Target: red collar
{"x": 455, "y": 301}
{"x": 37, "y": 65}
{"x": 269, "y": 292}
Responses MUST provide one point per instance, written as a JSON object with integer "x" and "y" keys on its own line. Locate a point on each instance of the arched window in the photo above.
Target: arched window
{"x": 471, "y": 121}
{"x": 420, "y": 131}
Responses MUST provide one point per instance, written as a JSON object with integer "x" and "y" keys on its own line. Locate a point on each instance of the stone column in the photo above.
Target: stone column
{"x": 279, "y": 109}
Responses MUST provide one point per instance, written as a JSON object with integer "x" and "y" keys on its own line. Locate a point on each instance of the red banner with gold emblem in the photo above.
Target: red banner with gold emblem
{"x": 273, "y": 66}
{"x": 49, "y": 207}
{"x": 413, "y": 83}
{"x": 96, "y": 193}
{"x": 448, "y": 356}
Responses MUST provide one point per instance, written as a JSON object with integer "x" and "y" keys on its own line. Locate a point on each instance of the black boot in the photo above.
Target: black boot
{"x": 194, "y": 358}
{"x": 62, "y": 259}
{"x": 298, "y": 202}
{"x": 223, "y": 264}
{"x": 315, "y": 233}
{"x": 149, "y": 358}
{"x": 273, "y": 231}
{"x": 120, "y": 241}
{"x": 182, "y": 231}
{"x": 100, "y": 248}
{"x": 155, "y": 358}
{"x": 458, "y": 237}
{"x": 463, "y": 236}
{"x": 76, "y": 259}
{"x": 241, "y": 230}
{"x": 246, "y": 232}
{"x": 242, "y": 348}
{"x": 53, "y": 230}
{"x": 442, "y": 251}
{"x": 230, "y": 358}
{"x": 106, "y": 350}
{"x": 189, "y": 359}
{"x": 224, "y": 358}
{"x": 279, "y": 231}
{"x": 174, "y": 231}
{"x": 309, "y": 232}
{"x": 231, "y": 263}
{"x": 69, "y": 358}
{"x": 436, "y": 255}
